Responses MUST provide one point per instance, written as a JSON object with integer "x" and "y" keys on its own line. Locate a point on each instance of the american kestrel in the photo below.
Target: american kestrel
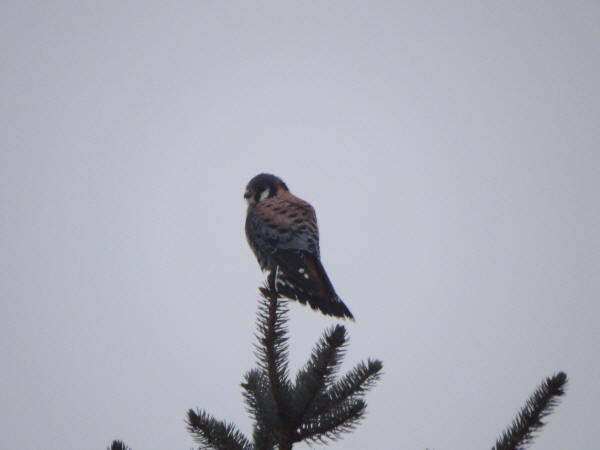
{"x": 282, "y": 232}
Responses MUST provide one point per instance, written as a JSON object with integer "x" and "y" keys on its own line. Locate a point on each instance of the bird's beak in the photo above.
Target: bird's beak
{"x": 247, "y": 195}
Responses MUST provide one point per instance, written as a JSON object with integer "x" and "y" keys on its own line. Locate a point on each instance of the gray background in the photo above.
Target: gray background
{"x": 451, "y": 153}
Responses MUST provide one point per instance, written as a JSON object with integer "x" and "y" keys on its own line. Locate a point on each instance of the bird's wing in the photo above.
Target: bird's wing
{"x": 284, "y": 223}
{"x": 302, "y": 277}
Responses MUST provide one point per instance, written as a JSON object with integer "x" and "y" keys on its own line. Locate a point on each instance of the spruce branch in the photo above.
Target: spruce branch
{"x": 341, "y": 407}
{"x": 272, "y": 347}
{"x": 215, "y": 434}
{"x": 257, "y": 395}
{"x": 357, "y": 382}
{"x": 331, "y": 424}
{"x": 315, "y": 407}
{"x": 272, "y": 353}
{"x": 118, "y": 445}
{"x": 529, "y": 420}
{"x": 260, "y": 405}
{"x": 318, "y": 373}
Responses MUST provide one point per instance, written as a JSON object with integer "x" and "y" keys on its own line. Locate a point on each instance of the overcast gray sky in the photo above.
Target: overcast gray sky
{"x": 450, "y": 150}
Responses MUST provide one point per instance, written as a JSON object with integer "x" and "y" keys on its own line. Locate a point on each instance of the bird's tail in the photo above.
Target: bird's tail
{"x": 318, "y": 294}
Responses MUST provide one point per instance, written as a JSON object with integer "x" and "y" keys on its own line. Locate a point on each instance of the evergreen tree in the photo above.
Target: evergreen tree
{"x": 317, "y": 406}
{"x": 118, "y": 445}
{"x": 529, "y": 420}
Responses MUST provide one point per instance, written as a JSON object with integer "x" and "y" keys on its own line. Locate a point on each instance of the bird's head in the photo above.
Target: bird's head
{"x": 264, "y": 186}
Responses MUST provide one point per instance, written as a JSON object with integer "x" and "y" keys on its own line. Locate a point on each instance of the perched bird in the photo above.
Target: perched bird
{"x": 282, "y": 232}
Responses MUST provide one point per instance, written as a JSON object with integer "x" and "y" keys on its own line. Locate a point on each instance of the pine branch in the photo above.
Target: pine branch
{"x": 318, "y": 372}
{"x": 118, "y": 445}
{"x": 214, "y": 434}
{"x": 529, "y": 420}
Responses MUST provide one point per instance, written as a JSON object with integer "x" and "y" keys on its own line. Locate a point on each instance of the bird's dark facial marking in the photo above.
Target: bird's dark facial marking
{"x": 263, "y": 186}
